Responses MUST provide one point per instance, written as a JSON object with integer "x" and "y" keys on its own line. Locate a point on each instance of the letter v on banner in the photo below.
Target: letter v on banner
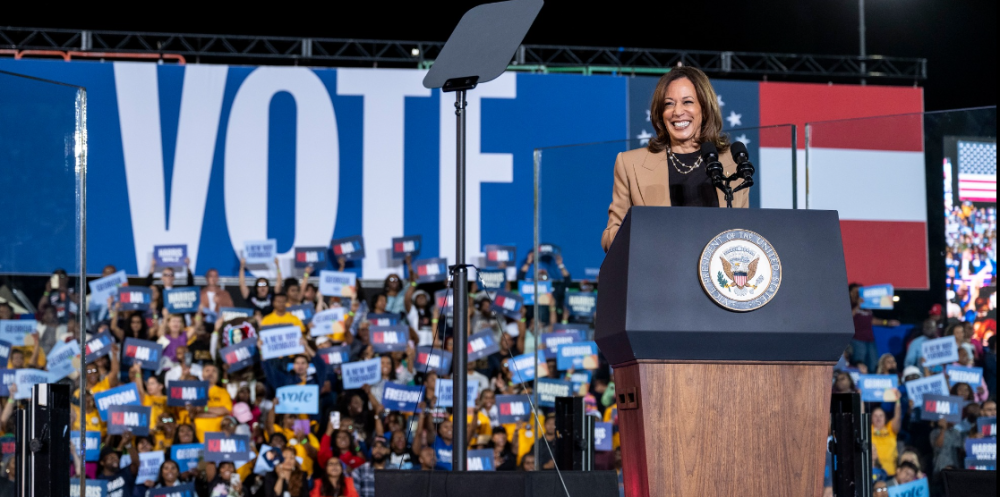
{"x": 137, "y": 90}
{"x": 480, "y": 167}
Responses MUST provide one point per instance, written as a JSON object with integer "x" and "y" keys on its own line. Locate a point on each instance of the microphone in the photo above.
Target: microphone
{"x": 713, "y": 167}
{"x": 744, "y": 169}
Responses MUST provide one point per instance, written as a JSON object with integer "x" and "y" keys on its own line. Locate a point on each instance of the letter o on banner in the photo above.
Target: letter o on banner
{"x": 317, "y": 155}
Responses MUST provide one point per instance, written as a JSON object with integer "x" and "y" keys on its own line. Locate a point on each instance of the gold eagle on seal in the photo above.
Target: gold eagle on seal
{"x": 740, "y": 276}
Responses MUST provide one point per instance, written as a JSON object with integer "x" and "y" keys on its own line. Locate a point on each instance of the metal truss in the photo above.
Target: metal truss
{"x": 388, "y": 53}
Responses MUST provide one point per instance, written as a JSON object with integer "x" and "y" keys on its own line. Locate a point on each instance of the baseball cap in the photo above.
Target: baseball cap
{"x": 241, "y": 411}
{"x": 935, "y": 310}
{"x": 912, "y": 371}
{"x": 380, "y": 440}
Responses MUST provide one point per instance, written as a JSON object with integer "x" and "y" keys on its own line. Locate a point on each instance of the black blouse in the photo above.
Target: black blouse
{"x": 694, "y": 189}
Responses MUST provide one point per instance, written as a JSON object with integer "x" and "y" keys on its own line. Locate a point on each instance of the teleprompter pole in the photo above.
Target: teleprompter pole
{"x": 460, "y": 283}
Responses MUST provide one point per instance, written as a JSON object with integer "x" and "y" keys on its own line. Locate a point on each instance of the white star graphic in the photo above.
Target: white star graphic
{"x": 721, "y": 103}
{"x": 734, "y": 119}
{"x": 647, "y": 115}
{"x": 644, "y": 137}
{"x": 743, "y": 138}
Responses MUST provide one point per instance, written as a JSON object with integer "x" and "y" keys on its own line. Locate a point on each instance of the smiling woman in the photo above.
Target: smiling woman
{"x": 670, "y": 171}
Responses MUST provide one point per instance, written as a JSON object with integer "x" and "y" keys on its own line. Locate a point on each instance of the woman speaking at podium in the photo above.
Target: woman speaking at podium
{"x": 670, "y": 171}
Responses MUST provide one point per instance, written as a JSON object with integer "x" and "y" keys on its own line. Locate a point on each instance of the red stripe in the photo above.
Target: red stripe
{"x": 886, "y": 252}
{"x": 799, "y": 103}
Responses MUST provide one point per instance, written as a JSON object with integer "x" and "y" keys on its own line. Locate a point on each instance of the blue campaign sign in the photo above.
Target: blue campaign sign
{"x": 60, "y": 360}
{"x": 406, "y": 245}
{"x": 7, "y": 378}
{"x": 13, "y": 331}
{"x": 481, "y": 345}
{"x": 918, "y": 488}
{"x": 942, "y": 350}
{"x": 389, "y": 338}
{"x": 492, "y": 279}
{"x": 876, "y": 297}
{"x": 95, "y": 488}
{"x": 980, "y": 464}
{"x": 227, "y": 314}
{"x": 183, "y": 490}
{"x": 987, "y": 427}
{"x": 303, "y": 311}
{"x": 961, "y": 374}
{"x": 280, "y": 342}
{"x": 937, "y": 407}
{"x": 102, "y": 288}
{"x": 513, "y": 408}
{"x": 98, "y": 347}
{"x": 26, "y": 378}
{"x": 479, "y": 460}
{"x": 431, "y": 270}
{"x": 187, "y": 392}
{"x": 357, "y": 374}
{"x": 603, "y": 436}
{"x": 431, "y": 359}
{"x": 337, "y": 284}
{"x": 324, "y": 322}
{"x": 444, "y": 300}
{"x": 522, "y": 368}
{"x": 579, "y": 379}
{"x": 878, "y": 387}
{"x": 5, "y": 353}
{"x": 552, "y": 341}
{"x": 935, "y": 384}
{"x": 335, "y": 356}
{"x": 239, "y": 356}
{"x": 310, "y": 256}
{"x": 444, "y": 391}
{"x": 402, "y": 398}
{"x": 497, "y": 255}
{"x": 580, "y": 355}
{"x": 170, "y": 255}
{"x": 183, "y": 300}
{"x": 527, "y": 290}
{"x": 221, "y": 447}
{"x": 260, "y": 251}
{"x": 981, "y": 448}
{"x": 581, "y": 304}
{"x": 351, "y": 248}
{"x": 549, "y": 389}
{"x": 297, "y": 399}
{"x": 146, "y": 352}
{"x": 547, "y": 250}
{"x": 382, "y": 319}
{"x": 507, "y": 304}
{"x": 122, "y": 418}
{"x": 93, "y": 440}
{"x": 187, "y": 455}
{"x": 134, "y": 298}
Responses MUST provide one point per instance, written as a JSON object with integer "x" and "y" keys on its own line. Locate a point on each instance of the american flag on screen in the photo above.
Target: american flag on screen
{"x": 977, "y": 171}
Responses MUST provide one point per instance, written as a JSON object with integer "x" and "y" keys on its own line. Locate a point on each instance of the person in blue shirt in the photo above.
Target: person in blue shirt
{"x": 915, "y": 352}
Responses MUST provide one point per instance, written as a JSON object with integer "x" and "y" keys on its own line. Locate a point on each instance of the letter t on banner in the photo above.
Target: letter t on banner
{"x": 478, "y": 51}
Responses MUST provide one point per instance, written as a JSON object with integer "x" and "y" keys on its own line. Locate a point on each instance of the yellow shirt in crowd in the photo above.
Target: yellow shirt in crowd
{"x": 288, "y": 319}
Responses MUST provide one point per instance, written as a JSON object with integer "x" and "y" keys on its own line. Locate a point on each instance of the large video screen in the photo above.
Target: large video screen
{"x": 970, "y": 206}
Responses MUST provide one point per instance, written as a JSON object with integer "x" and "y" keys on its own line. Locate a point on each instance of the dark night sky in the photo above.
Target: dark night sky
{"x": 957, "y": 38}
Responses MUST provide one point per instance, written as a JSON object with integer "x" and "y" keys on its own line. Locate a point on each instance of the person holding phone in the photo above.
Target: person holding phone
{"x": 287, "y": 480}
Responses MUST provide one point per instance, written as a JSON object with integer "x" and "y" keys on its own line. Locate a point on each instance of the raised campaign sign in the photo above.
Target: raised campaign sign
{"x": 297, "y": 399}
{"x": 183, "y": 393}
{"x": 280, "y": 342}
{"x": 350, "y": 248}
{"x": 406, "y": 245}
{"x": 182, "y": 300}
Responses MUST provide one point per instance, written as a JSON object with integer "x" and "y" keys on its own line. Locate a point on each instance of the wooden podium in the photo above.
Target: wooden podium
{"x": 713, "y": 401}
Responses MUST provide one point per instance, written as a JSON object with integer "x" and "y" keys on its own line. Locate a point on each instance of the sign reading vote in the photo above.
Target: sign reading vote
{"x": 401, "y": 398}
{"x": 350, "y": 248}
{"x": 146, "y": 352}
{"x": 431, "y": 359}
{"x": 93, "y": 450}
{"x": 98, "y": 347}
{"x": 95, "y": 488}
{"x": 508, "y": 304}
{"x": 13, "y": 331}
{"x": 581, "y": 355}
{"x": 337, "y": 284}
{"x": 328, "y": 322}
{"x": 280, "y": 342}
{"x": 260, "y": 251}
{"x": 182, "y": 300}
{"x": 230, "y": 313}
{"x": 335, "y": 356}
{"x": 876, "y": 297}
{"x": 389, "y": 338}
{"x": 603, "y": 436}
{"x": 303, "y": 311}
{"x": 552, "y": 341}
{"x": 937, "y": 407}
{"x": 878, "y": 387}
{"x": 102, "y": 288}
{"x": 26, "y": 378}
{"x": 221, "y": 447}
{"x": 497, "y": 255}
{"x": 444, "y": 390}
{"x": 7, "y": 378}
{"x": 492, "y": 279}
{"x": 184, "y": 490}
{"x": 310, "y": 256}
{"x": 981, "y": 448}
{"x": 987, "y": 426}
{"x": 513, "y": 408}
{"x": 916, "y": 488}
{"x": 170, "y": 255}
{"x": 934, "y": 384}
{"x": 135, "y": 298}
{"x": 187, "y": 455}
{"x": 431, "y": 270}
{"x": 481, "y": 345}
{"x": 581, "y": 304}
{"x": 297, "y": 399}
{"x": 183, "y": 393}
{"x": 527, "y": 291}
{"x": 60, "y": 360}
{"x": 479, "y": 460}
{"x": 239, "y": 356}
{"x": 444, "y": 300}
{"x": 149, "y": 466}
{"x": 358, "y": 374}
{"x": 122, "y": 418}
{"x": 522, "y": 368}
{"x": 406, "y": 245}
{"x": 942, "y": 350}
{"x": 961, "y": 374}
{"x": 549, "y": 389}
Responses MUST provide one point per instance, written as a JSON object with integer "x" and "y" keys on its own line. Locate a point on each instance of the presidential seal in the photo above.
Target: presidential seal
{"x": 740, "y": 270}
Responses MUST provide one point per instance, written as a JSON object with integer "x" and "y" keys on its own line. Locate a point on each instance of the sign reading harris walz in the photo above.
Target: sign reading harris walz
{"x": 740, "y": 270}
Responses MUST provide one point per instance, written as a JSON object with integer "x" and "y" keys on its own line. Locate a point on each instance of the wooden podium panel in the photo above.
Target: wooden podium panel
{"x": 752, "y": 429}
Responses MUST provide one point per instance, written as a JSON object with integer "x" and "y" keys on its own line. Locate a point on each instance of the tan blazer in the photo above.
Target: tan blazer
{"x": 642, "y": 178}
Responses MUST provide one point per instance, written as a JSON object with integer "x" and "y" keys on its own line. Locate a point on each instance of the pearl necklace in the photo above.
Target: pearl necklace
{"x": 680, "y": 166}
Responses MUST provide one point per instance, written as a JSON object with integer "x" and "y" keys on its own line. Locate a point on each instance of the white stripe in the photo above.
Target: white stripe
{"x": 868, "y": 185}
{"x": 774, "y": 178}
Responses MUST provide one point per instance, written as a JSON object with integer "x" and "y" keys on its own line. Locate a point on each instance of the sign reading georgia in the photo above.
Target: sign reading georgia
{"x": 740, "y": 270}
